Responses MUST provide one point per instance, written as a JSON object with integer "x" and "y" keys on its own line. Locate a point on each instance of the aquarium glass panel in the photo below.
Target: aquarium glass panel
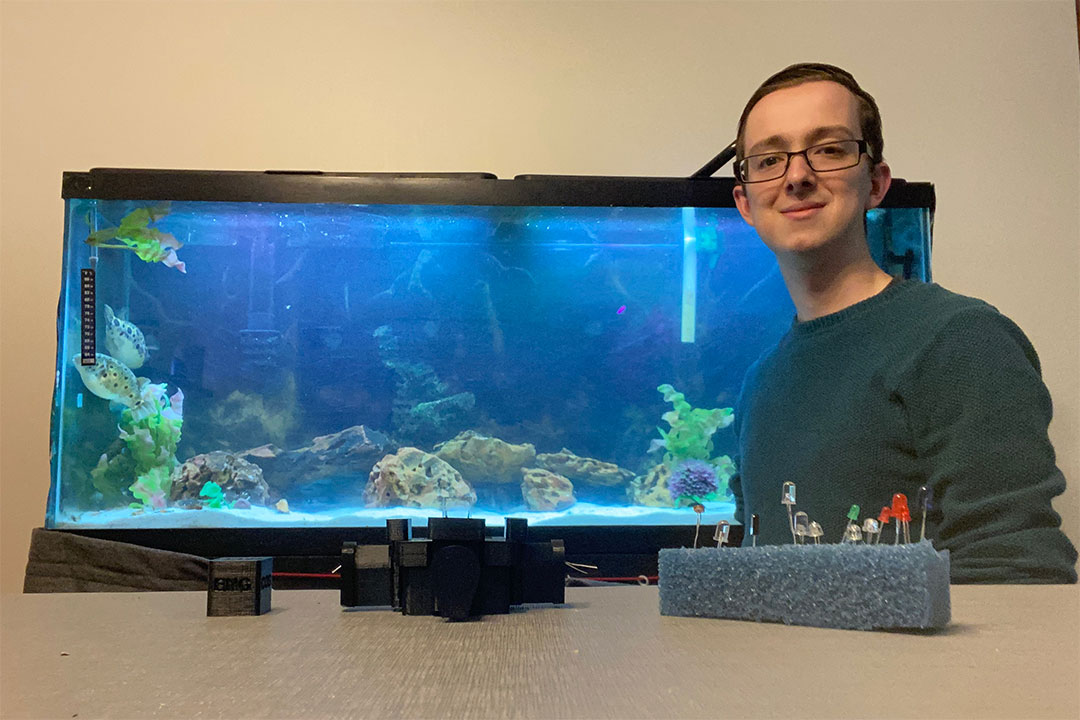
{"x": 284, "y": 364}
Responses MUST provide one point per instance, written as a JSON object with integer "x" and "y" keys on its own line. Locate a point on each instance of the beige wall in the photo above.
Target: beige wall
{"x": 980, "y": 97}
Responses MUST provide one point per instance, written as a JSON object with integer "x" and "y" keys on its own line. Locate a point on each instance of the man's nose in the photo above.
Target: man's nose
{"x": 799, "y": 172}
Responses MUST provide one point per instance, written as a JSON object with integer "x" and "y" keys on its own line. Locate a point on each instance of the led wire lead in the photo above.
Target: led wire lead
{"x": 699, "y": 509}
{"x": 802, "y": 527}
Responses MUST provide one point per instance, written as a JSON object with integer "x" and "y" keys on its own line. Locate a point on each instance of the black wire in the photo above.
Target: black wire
{"x": 717, "y": 162}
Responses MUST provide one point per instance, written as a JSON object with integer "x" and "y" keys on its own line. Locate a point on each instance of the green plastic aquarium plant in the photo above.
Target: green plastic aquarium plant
{"x": 112, "y": 475}
{"x": 134, "y": 231}
{"x": 151, "y": 437}
{"x": 690, "y": 436}
{"x": 152, "y": 488}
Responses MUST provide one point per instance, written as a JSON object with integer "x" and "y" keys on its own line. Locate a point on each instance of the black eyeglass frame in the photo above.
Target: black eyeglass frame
{"x": 864, "y": 149}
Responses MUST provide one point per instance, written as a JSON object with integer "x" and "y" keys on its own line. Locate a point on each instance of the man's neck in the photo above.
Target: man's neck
{"x": 820, "y": 288}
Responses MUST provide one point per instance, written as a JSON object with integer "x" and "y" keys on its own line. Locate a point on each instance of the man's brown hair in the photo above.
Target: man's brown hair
{"x": 869, "y": 116}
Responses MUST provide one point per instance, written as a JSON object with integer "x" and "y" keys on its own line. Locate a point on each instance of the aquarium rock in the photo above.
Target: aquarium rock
{"x": 349, "y": 453}
{"x": 651, "y": 489}
{"x": 544, "y": 490}
{"x": 238, "y": 479}
{"x": 414, "y": 478}
{"x": 583, "y": 469}
{"x": 480, "y": 458}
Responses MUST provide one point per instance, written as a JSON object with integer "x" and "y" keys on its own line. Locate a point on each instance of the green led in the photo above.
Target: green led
{"x": 853, "y": 513}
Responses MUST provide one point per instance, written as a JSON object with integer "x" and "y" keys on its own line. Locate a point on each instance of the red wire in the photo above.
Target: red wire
{"x": 651, "y": 578}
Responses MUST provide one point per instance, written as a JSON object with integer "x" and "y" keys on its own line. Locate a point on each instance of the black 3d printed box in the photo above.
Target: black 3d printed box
{"x": 239, "y": 586}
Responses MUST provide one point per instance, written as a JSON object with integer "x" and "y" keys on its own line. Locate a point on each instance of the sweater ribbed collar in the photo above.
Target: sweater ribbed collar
{"x": 894, "y": 289}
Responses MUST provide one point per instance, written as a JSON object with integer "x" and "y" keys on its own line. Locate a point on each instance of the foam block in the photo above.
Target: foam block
{"x": 857, "y": 587}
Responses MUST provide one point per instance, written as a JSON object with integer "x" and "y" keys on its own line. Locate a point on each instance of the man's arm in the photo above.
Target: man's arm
{"x": 979, "y": 413}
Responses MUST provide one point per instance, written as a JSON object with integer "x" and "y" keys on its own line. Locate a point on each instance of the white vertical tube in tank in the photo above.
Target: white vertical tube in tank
{"x": 689, "y": 275}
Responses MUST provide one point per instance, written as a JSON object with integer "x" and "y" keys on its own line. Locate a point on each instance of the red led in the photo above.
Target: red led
{"x": 885, "y": 516}
{"x": 900, "y": 507}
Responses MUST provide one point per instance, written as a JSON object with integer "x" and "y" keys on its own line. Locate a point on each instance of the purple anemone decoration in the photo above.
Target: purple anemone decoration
{"x": 693, "y": 478}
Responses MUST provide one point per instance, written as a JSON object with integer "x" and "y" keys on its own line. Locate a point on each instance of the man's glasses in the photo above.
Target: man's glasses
{"x": 825, "y": 157}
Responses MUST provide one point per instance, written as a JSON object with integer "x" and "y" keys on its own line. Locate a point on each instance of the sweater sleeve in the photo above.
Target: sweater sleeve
{"x": 979, "y": 413}
{"x": 735, "y": 483}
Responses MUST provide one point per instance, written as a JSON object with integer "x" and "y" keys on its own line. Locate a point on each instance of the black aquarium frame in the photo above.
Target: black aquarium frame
{"x": 314, "y": 186}
{"x": 622, "y": 551}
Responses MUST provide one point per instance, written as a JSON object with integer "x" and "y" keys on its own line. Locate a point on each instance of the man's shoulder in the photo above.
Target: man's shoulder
{"x": 940, "y": 300}
{"x": 953, "y": 324}
{"x": 929, "y": 307}
{"x": 906, "y": 317}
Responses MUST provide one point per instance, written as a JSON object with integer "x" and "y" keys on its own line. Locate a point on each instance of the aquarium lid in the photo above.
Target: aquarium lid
{"x": 316, "y": 186}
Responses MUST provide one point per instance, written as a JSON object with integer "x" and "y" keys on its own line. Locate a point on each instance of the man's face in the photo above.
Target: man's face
{"x": 808, "y": 212}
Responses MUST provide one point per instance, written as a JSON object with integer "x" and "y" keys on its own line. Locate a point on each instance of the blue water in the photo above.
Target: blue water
{"x": 378, "y": 328}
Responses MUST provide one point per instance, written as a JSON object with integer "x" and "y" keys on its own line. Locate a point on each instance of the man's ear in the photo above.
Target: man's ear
{"x": 880, "y": 180}
{"x": 742, "y": 203}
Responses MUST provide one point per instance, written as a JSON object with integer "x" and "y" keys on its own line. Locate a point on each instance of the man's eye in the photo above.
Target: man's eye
{"x": 830, "y": 149}
{"x": 763, "y": 162}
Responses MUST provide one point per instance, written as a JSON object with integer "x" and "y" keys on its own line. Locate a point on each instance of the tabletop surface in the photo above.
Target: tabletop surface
{"x": 1011, "y": 651}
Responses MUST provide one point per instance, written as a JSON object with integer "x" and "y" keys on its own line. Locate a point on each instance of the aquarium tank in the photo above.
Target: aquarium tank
{"x": 310, "y": 350}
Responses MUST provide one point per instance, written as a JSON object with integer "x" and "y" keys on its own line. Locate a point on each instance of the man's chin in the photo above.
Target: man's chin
{"x": 800, "y": 244}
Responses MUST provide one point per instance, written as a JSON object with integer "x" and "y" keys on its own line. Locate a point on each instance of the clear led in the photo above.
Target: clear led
{"x": 870, "y": 528}
{"x": 720, "y": 535}
{"x": 789, "y": 494}
{"x": 853, "y": 520}
{"x": 852, "y": 534}
{"x": 788, "y": 499}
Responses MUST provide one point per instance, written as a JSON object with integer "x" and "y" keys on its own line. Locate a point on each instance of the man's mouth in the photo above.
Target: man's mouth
{"x": 802, "y": 210}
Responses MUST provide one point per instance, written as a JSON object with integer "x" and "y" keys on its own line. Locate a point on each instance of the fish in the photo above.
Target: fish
{"x": 124, "y": 340}
{"x": 112, "y": 380}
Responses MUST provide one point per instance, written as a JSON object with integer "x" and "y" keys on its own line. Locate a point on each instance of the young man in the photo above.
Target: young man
{"x": 881, "y": 386}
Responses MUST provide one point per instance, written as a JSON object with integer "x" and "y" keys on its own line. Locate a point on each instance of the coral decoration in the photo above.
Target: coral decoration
{"x": 694, "y": 480}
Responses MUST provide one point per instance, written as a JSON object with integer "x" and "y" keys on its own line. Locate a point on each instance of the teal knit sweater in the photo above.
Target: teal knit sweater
{"x": 914, "y": 386}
